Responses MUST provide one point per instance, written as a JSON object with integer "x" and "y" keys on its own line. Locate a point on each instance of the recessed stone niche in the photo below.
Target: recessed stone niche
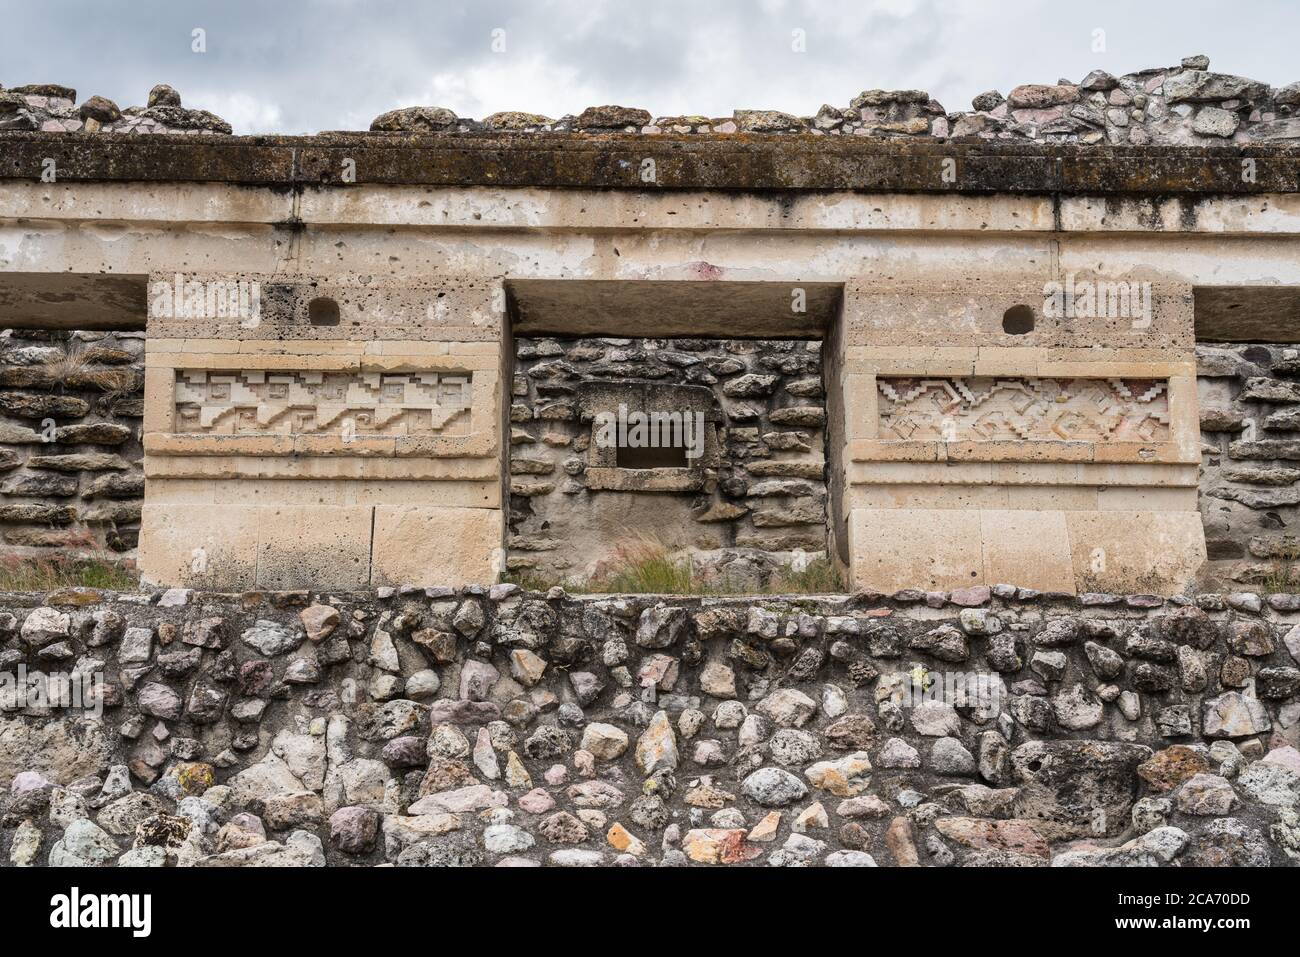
{"x": 748, "y": 499}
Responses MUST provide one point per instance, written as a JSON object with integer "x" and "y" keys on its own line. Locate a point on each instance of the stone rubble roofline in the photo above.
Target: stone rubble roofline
{"x": 1185, "y": 104}
{"x": 735, "y": 162}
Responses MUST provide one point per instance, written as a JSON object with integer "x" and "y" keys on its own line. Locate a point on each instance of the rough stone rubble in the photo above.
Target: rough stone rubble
{"x": 501, "y": 727}
{"x": 1180, "y": 105}
{"x": 748, "y": 506}
{"x": 1250, "y": 443}
{"x": 52, "y": 109}
{"x": 76, "y": 487}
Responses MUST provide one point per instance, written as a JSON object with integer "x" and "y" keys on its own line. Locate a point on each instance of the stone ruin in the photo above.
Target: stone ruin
{"x": 1184, "y": 105}
{"x": 1026, "y": 379}
{"x": 1037, "y": 466}
{"x": 752, "y": 501}
{"x": 50, "y": 108}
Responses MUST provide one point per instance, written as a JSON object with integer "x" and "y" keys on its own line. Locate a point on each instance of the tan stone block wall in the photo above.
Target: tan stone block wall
{"x": 435, "y": 545}
{"x": 326, "y": 544}
{"x": 1147, "y": 551}
{"x": 442, "y": 308}
{"x": 1049, "y": 550}
{"x": 1029, "y": 547}
{"x": 209, "y": 546}
{"x": 288, "y": 546}
{"x": 1034, "y": 513}
{"x": 290, "y": 509}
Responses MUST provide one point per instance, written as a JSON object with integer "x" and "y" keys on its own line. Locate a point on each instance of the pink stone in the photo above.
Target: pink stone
{"x": 536, "y": 801}
{"x": 1019, "y": 836}
{"x": 556, "y": 775}
{"x": 1040, "y": 116}
{"x": 970, "y": 597}
{"x": 25, "y": 782}
{"x": 658, "y": 670}
{"x": 1287, "y": 757}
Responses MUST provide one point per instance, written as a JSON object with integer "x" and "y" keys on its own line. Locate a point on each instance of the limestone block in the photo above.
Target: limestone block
{"x": 309, "y": 546}
{"x": 435, "y": 545}
{"x": 1078, "y": 550}
{"x": 159, "y": 387}
{"x": 1136, "y": 552}
{"x": 1028, "y": 548}
{"x": 899, "y": 548}
{"x": 211, "y": 546}
{"x": 247, "y": 546}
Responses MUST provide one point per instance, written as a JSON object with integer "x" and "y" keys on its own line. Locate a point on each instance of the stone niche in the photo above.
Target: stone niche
{"x": 741, "y": 490}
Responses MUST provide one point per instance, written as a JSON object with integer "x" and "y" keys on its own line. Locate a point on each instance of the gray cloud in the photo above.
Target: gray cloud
{"x": 335, "y": 64}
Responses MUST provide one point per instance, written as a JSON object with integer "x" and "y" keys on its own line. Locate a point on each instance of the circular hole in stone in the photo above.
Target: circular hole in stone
{"x": 1018, "y": 320}
{"x": 323, "y": 311}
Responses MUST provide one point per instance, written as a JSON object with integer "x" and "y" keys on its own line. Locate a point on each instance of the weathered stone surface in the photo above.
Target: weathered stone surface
{"x": 1172, "y": 766}
{"x": 1076, "y": 788}
{"x": 272, "y": 639}
{"x": 719, "y": 846}
{"x": 319, "y": 621}
{"x": 414, "y": 119}
{"x": 773, "y": 787}
{"x": 843, "y": 754}
{"x": 844, "y": 777}
{"x": 354, "y": 830}
{"x": 605, "y": 741}
{"x": 611, "y": 117}
{"x": 1233, "y": 715}
{"x": 1205, "y": 794}
{"x": 656, "y": 749}
{"x": 1021, "y": 837}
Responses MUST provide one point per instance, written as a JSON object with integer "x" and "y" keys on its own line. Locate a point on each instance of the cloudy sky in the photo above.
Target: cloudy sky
{"x": 312, "y": 65}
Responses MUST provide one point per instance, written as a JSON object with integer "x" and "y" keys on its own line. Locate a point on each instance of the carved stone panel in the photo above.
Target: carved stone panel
{"x": 1001, "y": 408}
{"x": 262, "y": 402}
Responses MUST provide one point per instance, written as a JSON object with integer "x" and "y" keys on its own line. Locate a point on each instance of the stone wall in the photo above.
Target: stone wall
{"x": 1186, "y": 104}
{"x": 1250, "y": 437}
{"x": 70, "y": 456}
{"x": 502, "y": 727}
{"x": 51, "y": 108}
{"x": 755, "y": 495}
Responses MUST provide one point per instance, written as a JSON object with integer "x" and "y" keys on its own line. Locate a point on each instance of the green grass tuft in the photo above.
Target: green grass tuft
{"x": 645, "y": 567}
{"x": 50, "y": 574}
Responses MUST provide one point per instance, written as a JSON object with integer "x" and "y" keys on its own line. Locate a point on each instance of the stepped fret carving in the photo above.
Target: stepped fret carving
{"x": 997, "y": 408}
{"x": 319, "y": 403}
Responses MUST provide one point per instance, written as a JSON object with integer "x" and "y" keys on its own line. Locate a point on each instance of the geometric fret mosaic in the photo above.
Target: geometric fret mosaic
{"x": 318, "y": 403}
{"x": 991, "y": 408}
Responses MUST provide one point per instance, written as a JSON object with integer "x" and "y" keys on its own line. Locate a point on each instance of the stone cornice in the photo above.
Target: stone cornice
{"x": 731, "y": 162}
